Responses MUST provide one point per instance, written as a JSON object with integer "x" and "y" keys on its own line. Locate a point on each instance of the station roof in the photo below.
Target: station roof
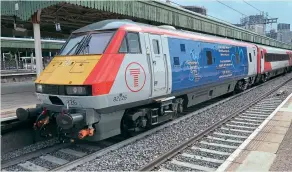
{"x": 26, "y": 43}
{"x": 73, "y": 14}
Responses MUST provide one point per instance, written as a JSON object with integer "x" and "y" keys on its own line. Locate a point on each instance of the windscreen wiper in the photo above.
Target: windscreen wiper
{"x": 75, "y": 45}
{"x": 86, "y": 42}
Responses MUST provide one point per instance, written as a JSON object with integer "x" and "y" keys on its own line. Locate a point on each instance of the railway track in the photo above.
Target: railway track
{"x": 58, "y": 156}
{"x": 67, "y": 156}
{"x": 211, "y": 148}
{"x": 10, "y": 124}
{"x": 55, "y": 156}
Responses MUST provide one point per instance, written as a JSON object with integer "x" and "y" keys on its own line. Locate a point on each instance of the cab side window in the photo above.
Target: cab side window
{"x": 131, "y": 44}
{"x": 124, "y": 46}
{"x": 156, "y": 46}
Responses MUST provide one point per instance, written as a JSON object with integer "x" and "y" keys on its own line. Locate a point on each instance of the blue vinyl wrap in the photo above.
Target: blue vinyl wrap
{"x": 190, "y": 68}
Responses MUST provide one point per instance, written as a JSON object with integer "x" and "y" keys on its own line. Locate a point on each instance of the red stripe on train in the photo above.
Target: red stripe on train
{"x": 105, "y": 71}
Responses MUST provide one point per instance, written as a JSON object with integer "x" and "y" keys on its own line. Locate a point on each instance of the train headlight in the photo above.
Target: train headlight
{"x": 39, "y": 88}
{"x": 76, "y": 90}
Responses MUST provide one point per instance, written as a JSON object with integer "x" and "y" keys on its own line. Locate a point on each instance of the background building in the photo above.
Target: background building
{"x": 284, "y": 33}
{"x": 272, "y": 34}
{"x": 254, "y": 23}
{"x": 283, "y": 27}
{"x": 258, "y": 23}
{"x": 200, "y": 10}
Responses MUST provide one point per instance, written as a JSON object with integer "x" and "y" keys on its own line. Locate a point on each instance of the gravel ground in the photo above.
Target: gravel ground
{"x": 63, "y": 156}
{"x": 43, "y": 163}
{"x": 137, "y": 154}
{"x": 81, "y": 149}
{"x": 28, "y": 149}
{"x": 49, "y": 165}
{"x": 15, "y": 168}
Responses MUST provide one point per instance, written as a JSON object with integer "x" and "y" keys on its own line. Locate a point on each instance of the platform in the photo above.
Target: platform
{"x": 15, "y": 95}
{"x": 269, "y": 148}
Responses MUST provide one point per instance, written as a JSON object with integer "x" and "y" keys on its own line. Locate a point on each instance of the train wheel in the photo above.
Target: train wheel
{"x": 174, "y": 109}
{"x": 285, "y": 71}
{"x": 263, "y": 78}
{"x": 125, "y": 129}
{"x": 174, "y": 115}
{"x": 240, "y": 86}
{"x": 180, "y": 108}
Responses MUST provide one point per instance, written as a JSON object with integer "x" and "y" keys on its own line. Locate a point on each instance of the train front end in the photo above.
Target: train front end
{"x": 75, "y": 85}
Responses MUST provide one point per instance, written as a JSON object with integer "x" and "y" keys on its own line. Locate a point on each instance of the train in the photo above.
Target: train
{"x": 117, "y": 77}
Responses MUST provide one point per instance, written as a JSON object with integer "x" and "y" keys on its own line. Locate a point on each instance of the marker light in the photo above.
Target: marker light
{"x": 39, "y": 88}
{"x": 76, "y": 90}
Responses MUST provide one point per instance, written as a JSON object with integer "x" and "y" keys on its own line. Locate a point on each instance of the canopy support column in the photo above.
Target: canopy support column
{"x": 37, "y": 42}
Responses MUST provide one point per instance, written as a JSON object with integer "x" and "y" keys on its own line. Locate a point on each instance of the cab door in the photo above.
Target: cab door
{"x": 252, "y": 61}
{"x": 262, "y": 60}
{"x": 158, "y": 64}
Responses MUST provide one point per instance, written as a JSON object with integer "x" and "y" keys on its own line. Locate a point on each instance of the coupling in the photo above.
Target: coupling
{"x": 66, "y": 120}
{"x": 24, "y": 114}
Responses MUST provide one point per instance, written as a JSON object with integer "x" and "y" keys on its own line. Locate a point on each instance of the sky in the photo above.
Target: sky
{"x": 276, "y": 9}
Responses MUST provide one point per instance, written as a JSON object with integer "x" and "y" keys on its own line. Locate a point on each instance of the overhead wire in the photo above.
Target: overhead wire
{"x": 259, "y": 11}
{"x": 226, "y": 6}
{"x": 206, "y": 14}
{"x": 230, "y": 7}
{"x": 255, "y": 7}
{"x": 252, "y": 6}
{"x": 239, "y": 11}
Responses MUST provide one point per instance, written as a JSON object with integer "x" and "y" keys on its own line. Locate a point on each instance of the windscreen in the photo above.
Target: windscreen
{"x": 94, "y": 43}
{"x": 97, "y": 43}
{"x": 72, "y": 45}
